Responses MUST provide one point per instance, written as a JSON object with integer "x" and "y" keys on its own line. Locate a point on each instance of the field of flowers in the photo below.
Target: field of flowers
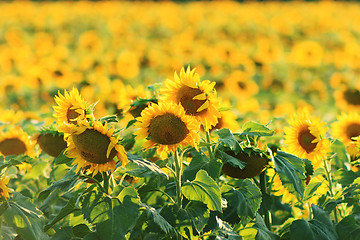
{"x": 162, "y": 120}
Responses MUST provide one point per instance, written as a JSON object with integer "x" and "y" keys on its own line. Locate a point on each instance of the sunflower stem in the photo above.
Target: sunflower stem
{"x": 106, "y": 182}
{"x": 329, "y": 179}
{"x": 210, "y": 149}
{"x": 264, "y": 192}
{"x": 95, "y": 181}
{"x": 178, "y": 167}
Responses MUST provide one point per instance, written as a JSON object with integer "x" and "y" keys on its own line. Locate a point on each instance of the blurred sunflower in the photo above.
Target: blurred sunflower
{"x": 240, "y": 85}
{"x": 94, "y": 147}
{"x": 70, "y": 107}
{"x": 347, "y": 129}
{"x": 198, "y": 98}
{"x": 307, "y": 54}
{"x": 166, "y": 126}
{"x": 348, "y": 97}
{"x": 4, "y": 190}
{"x": 305, "y": 138}
{"x": 15, "y": 142}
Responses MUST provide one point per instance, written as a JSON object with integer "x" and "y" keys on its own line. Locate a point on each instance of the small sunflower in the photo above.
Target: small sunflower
{"x": 198, "y": 98}
{"x": 94, "y": 147}
{"x": 70, "y": 107}
{"x": 347, "y": 129}
{"x": 4, "y": 190}
{"x": 15, "y": 142}
{"x": 51, "y": 142}
{"x": 305, "y": 138}
{"x": 348, "y": 97}
{"x": 166, "y": 126}
{"x": 240, "y": 85}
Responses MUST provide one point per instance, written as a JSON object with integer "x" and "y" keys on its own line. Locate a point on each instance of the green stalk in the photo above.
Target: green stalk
{"x": 94, "y": 180}
{"x": 263, "y": 191}
{"x": 329, "y": 178}
{"x": 178, "y": 167}
{"x": 106, "y": 182}
{"x": 210, "y": 149}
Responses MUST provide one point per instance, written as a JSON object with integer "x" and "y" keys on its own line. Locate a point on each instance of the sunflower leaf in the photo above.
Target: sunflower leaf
{"x": 256, "y": 129}
{"x": 139, "y": 167}
{"x": 263, "y": 233}
{"x": 155, "y": 216}
{"x": 203, "y": 189}
{"x": 112, "y": 216}
{"x": 228, "y": 140}
{"x": 348, "y": 228}
{"x": 246, "y": 199}
{"x": 200, "y": 161}
{"x": 291, "y": 170}
{"x": 24, "y": 218}
{"x": 310, "y": 230}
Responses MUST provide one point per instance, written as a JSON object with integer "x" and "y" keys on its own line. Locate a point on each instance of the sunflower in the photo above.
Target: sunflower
{"x": 240, "y": 85}
{"x": 51, "y": 142}
{"x": 305, "y": 138}
{"x": 94, "y": 147}
{"x": 348, "y": 97}
{"x": 4, "y": 190}
{"x": 307, "y": 54}
{"x": 198, "y": 98}
{"x": 346, "y": 129}
{"x": 166, "y": 126}
{"x": 70, "y": 107}
{"x": 15, "y": 142}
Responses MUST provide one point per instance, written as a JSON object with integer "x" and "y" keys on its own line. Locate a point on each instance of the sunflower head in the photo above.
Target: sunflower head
{"x": 15, "y": 142}
{"x": 51, "y": 142}
{"x": 4, "y": 190}
{"x": 305, "y": 138}
{"x": 166, "y": 126}
{"x": 348, "y": 97}
{"x": 70, "y": 107}
{"x": 94, "y": 147}
{"x": 347, "y": 130}
{"x": 198, "y": 98}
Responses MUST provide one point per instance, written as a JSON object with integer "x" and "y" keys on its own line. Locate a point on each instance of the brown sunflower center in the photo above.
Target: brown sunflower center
{"x": 185, "y": 96}
{"x": 352, "y": 96}
{"x": 51, "y": 144}
{"x": 167, "y": 129}
{"x": 71, "y": 115}
{"x": 305, "y": 139}
{"x": 12, "y": 146}
{"x": 241, "y": 85}
{"x": 352, "y": 130}
{"x": 92, "y": 146}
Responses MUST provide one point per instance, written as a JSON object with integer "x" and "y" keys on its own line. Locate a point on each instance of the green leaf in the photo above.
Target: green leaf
{"x": 64, "y": 233}
{"x": 199, "y": 215}
{"x": 291, "y": 170}
{"x": 228, "y": 140}
{"x": 341, "y": 155}
{"x": 256, "y": 129}
{"x": 323, "y": 217}
{"x": 24, "y": 218}
{"x": 233, "y": 161}
{"x": 225, "y": 231}
{"x": 246, "y": 200}
{"x": 81, "y": 230}
{"x": 65, "y": 184}
{"x": 309, "y": 230}
{"x": 263, "y": 233}
{"x": 14, "y": 160}
{"x": 112, "y": 216}
{"x": 348, "y": 228}
{"x": 199, "y": 161}
{"x": 62, "y": 159}
{"x": 69, "y": 208}
{"x": 203, "y": 189}
{"x": 138, "y": 167}
{"x": 345, "y": 177}
{"x": 154, "y": 215}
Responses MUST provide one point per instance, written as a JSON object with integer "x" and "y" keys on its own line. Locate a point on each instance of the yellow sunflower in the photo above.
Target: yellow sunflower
{"x": 94, "y": 147}
{"x": 166, "y": 126}
{"x": 197, "y": 97}
{"x": 305, "y": 138}
{"x": 70, "y": 107}
{"x": 347, "y": 129}
{"x": 348, "y": 97}
{"x": 240, "y": 85}
{"x": 4, "y": 190}
{"x": 15, "y": 142}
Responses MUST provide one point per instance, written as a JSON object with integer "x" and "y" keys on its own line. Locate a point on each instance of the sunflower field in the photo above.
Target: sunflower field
{"x": 167, "y": 120}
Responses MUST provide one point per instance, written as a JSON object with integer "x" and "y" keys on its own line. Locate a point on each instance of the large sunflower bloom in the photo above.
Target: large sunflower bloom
{"x": 70, "y": 107}
{"x": 305, "y": 138}
{"x": 94, "y": 147}
{"x": 166, "y": 126}
{"x": 346, "y": 129}
{"x": 4, "y": 190}
{"x": 197, "y": 97}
